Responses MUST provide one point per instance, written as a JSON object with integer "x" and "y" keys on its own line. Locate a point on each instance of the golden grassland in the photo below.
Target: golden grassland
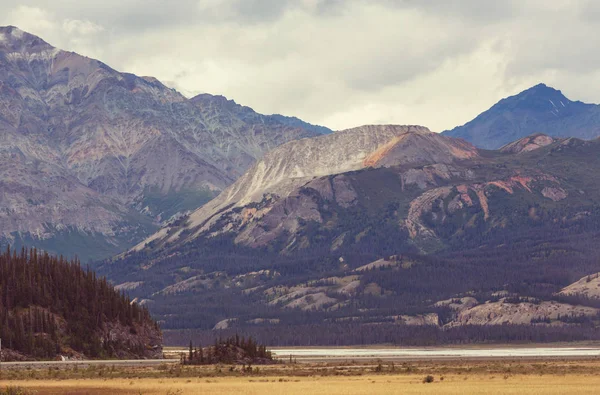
{"x": 449, "y": 377}
{"x": 369, "y": 384}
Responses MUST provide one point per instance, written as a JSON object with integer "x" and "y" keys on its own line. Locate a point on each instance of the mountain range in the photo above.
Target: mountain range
{"x": 397, "y": 226}
{"x": 92, "y": 159}
{"x": 217, "y": 217}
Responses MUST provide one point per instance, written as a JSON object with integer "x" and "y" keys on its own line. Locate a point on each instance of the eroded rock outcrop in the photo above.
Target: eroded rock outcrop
{"x": 588, "y": 286}
{"x": 529, "y": 143}
{"x": 502, "y": 312}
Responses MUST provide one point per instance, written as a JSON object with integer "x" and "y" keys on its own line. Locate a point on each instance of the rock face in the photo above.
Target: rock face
{"x": 540, "y": 109}
{"x": 305, "y": 162}
{"x": 143, "y": 341}
{"x": 92, "y": 154}
{"x": 458, "y": 304}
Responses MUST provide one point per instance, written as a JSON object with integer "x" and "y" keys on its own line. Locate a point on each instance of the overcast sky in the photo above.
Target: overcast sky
{"x": 339, "y": 63}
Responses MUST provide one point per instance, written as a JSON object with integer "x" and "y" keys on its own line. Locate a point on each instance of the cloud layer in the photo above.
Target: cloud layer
{"x": 340, "y": 63}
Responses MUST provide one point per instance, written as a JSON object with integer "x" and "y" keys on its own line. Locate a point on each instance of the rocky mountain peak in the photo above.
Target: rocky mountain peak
{"x": 539, "y": 98}
{"x": 539, "y": 109}
{"x": 347, "y": 150}
{"x": 14, "y": 39}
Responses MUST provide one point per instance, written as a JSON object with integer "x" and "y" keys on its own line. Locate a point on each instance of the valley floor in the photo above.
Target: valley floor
{"x": 449, "y": 377}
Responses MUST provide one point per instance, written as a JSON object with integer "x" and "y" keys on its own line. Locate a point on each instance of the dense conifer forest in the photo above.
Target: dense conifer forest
{"x": 51, "y": 306}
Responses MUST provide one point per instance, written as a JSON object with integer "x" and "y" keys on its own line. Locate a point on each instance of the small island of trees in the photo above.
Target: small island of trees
{"x": 232, "y": 350}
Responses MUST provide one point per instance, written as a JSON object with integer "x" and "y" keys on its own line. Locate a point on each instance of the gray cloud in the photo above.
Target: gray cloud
{"x": 337, "y": 62}
{"x": 475, "y": 11}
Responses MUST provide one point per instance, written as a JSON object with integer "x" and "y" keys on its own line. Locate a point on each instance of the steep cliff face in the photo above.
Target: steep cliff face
{"x": 285, "y": 169}
{"x": 84, "y": 147}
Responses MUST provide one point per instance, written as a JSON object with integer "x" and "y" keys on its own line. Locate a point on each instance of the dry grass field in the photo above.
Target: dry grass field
{"x": 449, "y": 377}
{"x": 371, "y": 384}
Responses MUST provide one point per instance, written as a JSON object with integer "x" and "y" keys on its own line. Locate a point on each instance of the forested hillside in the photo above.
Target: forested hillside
{"x": 50, "y": 307}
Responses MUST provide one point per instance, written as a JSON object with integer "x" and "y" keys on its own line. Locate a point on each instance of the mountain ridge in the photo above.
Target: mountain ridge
{"x": 295, "y": 163}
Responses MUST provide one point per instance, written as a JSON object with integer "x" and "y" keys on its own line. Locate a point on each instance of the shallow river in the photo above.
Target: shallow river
{"x": 434, "y": 353}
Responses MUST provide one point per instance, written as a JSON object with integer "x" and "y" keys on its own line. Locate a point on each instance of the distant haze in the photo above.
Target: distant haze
{"x": 438, "y": 63}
